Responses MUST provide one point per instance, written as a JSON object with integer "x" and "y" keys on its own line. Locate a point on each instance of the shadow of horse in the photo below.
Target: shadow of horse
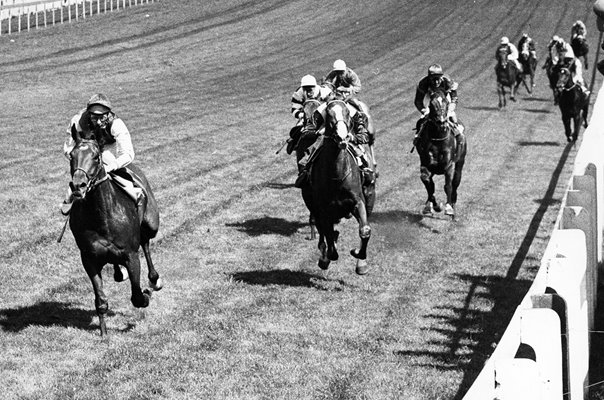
{"x": 46, "y": 314}
{"x": 580, "y": 48}
{"x": 573, "y": 103}
{"x": 440, "y": 154}
{"x": 508, "y": 76}
{"x": 108, "y": 227}
{"x": 336, "y": 188}
{"x": 267, "y": 226}
{"x": 286, "y": 277}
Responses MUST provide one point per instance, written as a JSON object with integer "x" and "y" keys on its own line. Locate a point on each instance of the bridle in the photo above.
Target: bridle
{"x": 94, "y": 181}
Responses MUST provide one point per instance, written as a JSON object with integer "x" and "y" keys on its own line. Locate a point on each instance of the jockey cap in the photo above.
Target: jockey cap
{"x": 435, "y": 70}
{"x": 308, "y": 80}
{"x": 98, "y": 104}
{"x": 556, "y": 39}
{"x": 505, "y": 40}
{"x": 339, "y": 65}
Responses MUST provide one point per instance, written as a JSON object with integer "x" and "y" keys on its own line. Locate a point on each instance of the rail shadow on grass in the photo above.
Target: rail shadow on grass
{"x": 268, "y": 225}
{"x": 467, "y": 335}
{"x": 47, "y": 314}
{"x": 286, "y": 277}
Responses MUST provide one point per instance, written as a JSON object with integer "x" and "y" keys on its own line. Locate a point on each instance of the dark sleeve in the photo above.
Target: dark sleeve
{"x": 420, "y": 92}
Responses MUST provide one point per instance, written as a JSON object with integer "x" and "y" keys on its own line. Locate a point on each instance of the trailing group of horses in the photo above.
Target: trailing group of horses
{"x": 571, "y": 99}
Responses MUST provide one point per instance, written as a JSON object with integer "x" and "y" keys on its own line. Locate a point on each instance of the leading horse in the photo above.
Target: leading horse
{"x": 508, "y": 75}
{"x": 440, "y": 154}
{"x": 573, "y": 103}
{"x": 107, "y": 226}
{"x": 336, "y": 189}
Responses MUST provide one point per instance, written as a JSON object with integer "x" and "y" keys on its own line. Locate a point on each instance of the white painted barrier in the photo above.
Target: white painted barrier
{"x": 556, "y": 316}
{"x": 17, "y": 15}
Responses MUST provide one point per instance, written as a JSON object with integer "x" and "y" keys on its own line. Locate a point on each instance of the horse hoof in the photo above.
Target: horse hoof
{"x": 157, "y": 286}
{"x": 449, "y": 210}
{"x": 513, "y": 98}
{"x": 438, "y": 207}
{"x": 362, "y": 268}
{"x": 324, "y": 264}
{"x": 428, "y": 209}
{"x": 120, "y": 273}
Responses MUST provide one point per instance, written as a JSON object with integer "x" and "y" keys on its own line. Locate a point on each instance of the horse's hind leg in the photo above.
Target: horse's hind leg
{"x": 93, "y": 269}
{"x": 154, "y": 279}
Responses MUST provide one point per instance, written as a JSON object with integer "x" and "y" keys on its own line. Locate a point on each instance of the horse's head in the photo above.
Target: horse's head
{"x": 337, "y": 119}
{"x": 524, "y": 50}
{"x": 309, "y": 108}
{"x": 86, "y": 165}
{"x": 502, "y": 56}
{"x": 564, "y": 78}
{"x": 439, "y": 107}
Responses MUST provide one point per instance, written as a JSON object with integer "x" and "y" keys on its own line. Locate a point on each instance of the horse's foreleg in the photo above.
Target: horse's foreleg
{"x": 94, "y": 269}
{"x": 311, "y": 223}
{"x": 360, "y": 254}
{"x": 155, "y": 282}
{"x": 431, "y": 203}
{"x": 567, "y": 129}
{"x": 501, "y": 95}
{"x": 449, "y": 176}
{"x": 323, "y": 260}
{"x": 139, "y": 298}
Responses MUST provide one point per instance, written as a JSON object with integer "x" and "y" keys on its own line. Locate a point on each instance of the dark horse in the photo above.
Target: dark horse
{"x": 580, "y": 48}
{"x": 508, "y": 76}
{"x": 528, "y": 60}
{"x": 302, "y": 139}
{"x": 336, "y": 188}
{"x": 107, "y": 227}
{"x": 439, "y": 154}
{"x": 573, "y": 103}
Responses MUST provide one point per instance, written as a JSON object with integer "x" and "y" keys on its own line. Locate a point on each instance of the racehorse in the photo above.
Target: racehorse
{"x": 107, "y": 226}
{"x": 302, "y": 140}
{"x": 508, "y": 75}
{"x": 573, "y": 103}
{"x": 440, "y": 154}
{"x": 336, "y": 189}
{"x": 528, "y": 60}
{"x": 580, "y": 48}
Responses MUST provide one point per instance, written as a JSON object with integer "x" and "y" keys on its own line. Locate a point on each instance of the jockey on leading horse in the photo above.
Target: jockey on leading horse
{"x": 114, "y": 140}
{"x": 512, "y": 51}
{"x": 578, "y": 30}
{"x": 308, "y": 90}
{"x": 437, "y": 81}
{"x": 359, "y": 136}
{"x": 530, "y": 43}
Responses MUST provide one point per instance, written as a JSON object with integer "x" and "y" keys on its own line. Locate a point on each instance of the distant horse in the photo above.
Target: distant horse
{"x": 440, "y": 154}
{"x": 573, "y": 103}
{"x": 508, "y": 76}
{"x": 107, "y": 227}
{"x": 528, "y": 60}
{"x": 336, "y": 189}
{"x": 580, "y": 48}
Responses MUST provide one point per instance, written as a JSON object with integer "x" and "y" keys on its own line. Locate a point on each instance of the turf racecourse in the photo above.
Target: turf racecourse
{"x": 245, "y": 313}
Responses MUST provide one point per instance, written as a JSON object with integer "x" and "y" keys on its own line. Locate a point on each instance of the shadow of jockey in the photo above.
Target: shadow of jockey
{"x": 436, "y": 80}
{"x": 98, "y": 121}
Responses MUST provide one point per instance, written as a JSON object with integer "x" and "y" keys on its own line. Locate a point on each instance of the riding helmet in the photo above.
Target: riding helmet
{"x": 339, "y": 65}
{"x": 435, "y": 70}
{"x": 98, "y": 104}
{"x": 308, "y": 80}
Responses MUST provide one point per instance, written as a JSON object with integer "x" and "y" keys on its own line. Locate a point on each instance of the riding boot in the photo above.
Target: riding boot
{"x": 303, "y": 179}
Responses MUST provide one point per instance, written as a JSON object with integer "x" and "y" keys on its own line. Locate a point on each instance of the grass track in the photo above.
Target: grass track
{"x": 245, "y": 312}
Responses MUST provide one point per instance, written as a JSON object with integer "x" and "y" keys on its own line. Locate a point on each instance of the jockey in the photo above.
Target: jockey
{"x": 308, "y": 90}
{"x": 436, "y": 81}
{"x": 578, "y": 30}
{"x": 575, "y": 67}
{"x": 355, "y": 142}
{"x": 511, "y": 50}
{"x": 530, "y": 42}
{"x": 346, "y": 81}
{"x": 555, "y": 46}
{"x": 114, "y": 139}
